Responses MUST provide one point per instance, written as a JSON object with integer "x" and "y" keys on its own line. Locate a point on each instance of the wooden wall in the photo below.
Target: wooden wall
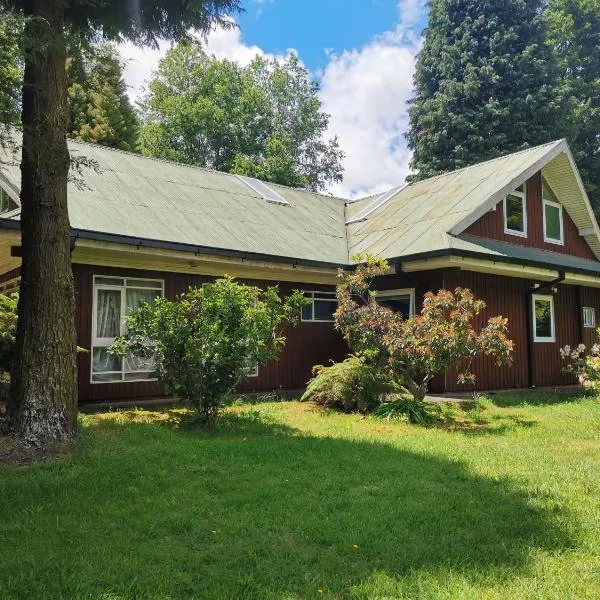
{"x": 307, "y": 344}
{"x": 492, "y": 226}
{"x": 318, "y": 343}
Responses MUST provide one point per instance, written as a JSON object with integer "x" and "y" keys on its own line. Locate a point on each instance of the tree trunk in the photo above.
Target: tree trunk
{"x": 43, "y": 395}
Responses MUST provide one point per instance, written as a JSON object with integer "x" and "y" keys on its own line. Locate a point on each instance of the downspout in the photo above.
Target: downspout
{"x": 529, "y": 312}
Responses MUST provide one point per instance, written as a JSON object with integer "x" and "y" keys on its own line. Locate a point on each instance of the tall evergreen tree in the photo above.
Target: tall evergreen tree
{"x": 43, "y": 394}
{"x": 574, "y": 35}
{"x": 484, "y": 84}
{"x": 99, "y": 109}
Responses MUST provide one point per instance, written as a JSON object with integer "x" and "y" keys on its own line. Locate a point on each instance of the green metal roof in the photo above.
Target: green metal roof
{"x": 144, "y": 198}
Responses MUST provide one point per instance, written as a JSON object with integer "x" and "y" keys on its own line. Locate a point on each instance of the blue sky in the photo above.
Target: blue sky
{"x": 362, "y": 52}
{"x": 316, "y": 27}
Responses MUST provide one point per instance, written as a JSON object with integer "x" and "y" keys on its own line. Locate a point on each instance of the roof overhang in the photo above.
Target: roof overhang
{"x": 500, "y": 265}
{"x": 95, "y": 248}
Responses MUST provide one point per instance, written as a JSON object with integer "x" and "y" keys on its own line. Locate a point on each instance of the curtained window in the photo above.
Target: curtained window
{"x": 114, "y": 298}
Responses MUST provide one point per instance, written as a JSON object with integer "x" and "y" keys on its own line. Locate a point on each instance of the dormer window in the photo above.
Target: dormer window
{"x": 553, "y": 218}
{"x": 515, "y": 212}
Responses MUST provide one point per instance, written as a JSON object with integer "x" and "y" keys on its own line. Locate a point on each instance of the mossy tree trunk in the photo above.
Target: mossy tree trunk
{"x": 43, "y": 393}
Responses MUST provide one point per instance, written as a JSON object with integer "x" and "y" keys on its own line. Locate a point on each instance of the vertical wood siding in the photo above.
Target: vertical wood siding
{"x": 492, "y": 226}
{"x": 307, "y": 344}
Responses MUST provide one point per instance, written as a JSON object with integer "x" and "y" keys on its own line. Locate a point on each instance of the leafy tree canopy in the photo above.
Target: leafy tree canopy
{"x": 262, "y": 120}
{"x": 484, "y": 84}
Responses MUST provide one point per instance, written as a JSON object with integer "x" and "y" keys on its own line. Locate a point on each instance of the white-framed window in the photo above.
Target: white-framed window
{"x": 6, "y": 202}
{"x": 321, "y": 308}
{"x": 515, "y": 212}
{"x": 113, "y": 299}
{"x": 553, "y": 221}
{"x": 589, "y": 316}
{"x": 543, "y": 318}
{"x": 402, "y": 301}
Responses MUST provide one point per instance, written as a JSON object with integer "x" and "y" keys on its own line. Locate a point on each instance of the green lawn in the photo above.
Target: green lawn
{"x": 287, "y": 501}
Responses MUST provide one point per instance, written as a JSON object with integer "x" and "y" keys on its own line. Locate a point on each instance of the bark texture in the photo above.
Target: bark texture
{"x": 43, "y": 394}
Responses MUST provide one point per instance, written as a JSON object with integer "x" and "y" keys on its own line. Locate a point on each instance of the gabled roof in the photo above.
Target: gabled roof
{"x": 425, "y": 216}
{"x": 141, "y": 198}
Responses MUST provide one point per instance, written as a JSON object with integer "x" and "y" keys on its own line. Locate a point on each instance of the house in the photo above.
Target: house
{"x": 518, "y": 231}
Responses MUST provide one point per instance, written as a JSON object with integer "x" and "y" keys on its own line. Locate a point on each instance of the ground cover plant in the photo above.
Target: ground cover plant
{"x": 288, "y": 500}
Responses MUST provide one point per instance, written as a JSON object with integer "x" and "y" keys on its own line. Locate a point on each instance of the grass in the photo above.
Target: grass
{"x": 288, "y": 501}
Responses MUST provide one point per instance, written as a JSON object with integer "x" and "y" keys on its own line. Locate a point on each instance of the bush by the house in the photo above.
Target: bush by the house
{"x": 205, "y": 342}
{"x": 414, "y": 350}
{"x": 8, "y": 329}
{"x": 584, "y": 364}
{"x": 353, "y": 385}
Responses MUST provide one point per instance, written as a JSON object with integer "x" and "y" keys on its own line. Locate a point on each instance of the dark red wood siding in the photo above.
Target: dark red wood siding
{"x": 307, "y": 344}
{"x": 491, "y": 226}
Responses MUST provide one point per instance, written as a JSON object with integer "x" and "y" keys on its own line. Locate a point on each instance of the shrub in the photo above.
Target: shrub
{"x": 584, "y": 364}
{"x": 354, "y": 385}
{"x": 8, "y": 329}
{"x": 414, "y": 411}
{"x": 414, "y": 350}
{"x": 204, "y": 342}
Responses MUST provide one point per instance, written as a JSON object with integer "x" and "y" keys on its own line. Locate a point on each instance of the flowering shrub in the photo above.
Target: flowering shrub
{"x": 586, "y": 367}
{"x": 414, "y": 350}
{"x": 204, "y": 342}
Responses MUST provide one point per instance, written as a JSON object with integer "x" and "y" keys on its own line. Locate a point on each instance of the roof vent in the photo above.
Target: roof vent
{"x": 362, "y": 215}
{"x": 263, "y": 190}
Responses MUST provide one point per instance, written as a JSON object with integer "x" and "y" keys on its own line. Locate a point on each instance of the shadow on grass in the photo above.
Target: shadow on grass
{"x": 255, "y": 510}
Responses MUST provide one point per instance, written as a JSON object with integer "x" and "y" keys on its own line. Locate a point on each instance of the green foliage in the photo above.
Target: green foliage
{"x": 485, "y": 84}
{"x": 414, "y": 411}
{"x": 354, "y": 385}
{"x": 263, "y": 120}
{"x": 8, "y": 330}
{"x": 574, "y": 36}
{"x": 99, "y": 109}
{"x": 204, "y": 342}
{"x": 414, "y": 350}
{"x": 11, "y": 67}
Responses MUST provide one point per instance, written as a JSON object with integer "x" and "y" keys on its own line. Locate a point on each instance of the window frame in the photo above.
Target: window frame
{"x": 523, "y": 196}
{"x": 96, "y": 342}
{"x": 383, "y": 294}
{"x": 310, "y": 294}
{"x": 536, "y": 338}
{"x": 552, "y": 203}
{"x": 592, "y": 312}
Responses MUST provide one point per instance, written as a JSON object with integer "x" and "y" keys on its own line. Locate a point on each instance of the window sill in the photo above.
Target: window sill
{"x": 515, "y": 233}
{"x": 555, "y": 242}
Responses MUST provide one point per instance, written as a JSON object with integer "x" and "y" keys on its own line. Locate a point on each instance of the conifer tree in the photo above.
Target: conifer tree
{"x": 484, "y": 84}
{"x": 574, "y": 35}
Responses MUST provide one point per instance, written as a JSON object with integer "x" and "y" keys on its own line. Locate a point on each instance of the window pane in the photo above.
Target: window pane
{"x": 552, "y": 216}
{"x": 135, "y": 297}
{"x": 324, "y": 310}
{"x": 108, "y": 313}
{"x": 145, "y": 283}
{"x": 514, "y": 213}
{"x": 102, "y": 361}
{"x": 109, "y": 281}
{"x": 399, "y": 304}
{"x": 307, "y": 312}
{"x": 543, "y": 318}
{"x": 589, "y": 317}
{"x": 133, "y": 363}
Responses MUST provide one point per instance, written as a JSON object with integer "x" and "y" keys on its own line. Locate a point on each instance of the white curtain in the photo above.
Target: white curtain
{"x": 108, "y": 313}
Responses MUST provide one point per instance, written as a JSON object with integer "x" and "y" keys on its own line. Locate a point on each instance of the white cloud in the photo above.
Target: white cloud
{"x": 365, "y": 91}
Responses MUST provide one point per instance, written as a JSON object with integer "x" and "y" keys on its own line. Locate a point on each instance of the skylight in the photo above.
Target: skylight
{"x": 263, "y": 190}
{"x": 362, "y": 215}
